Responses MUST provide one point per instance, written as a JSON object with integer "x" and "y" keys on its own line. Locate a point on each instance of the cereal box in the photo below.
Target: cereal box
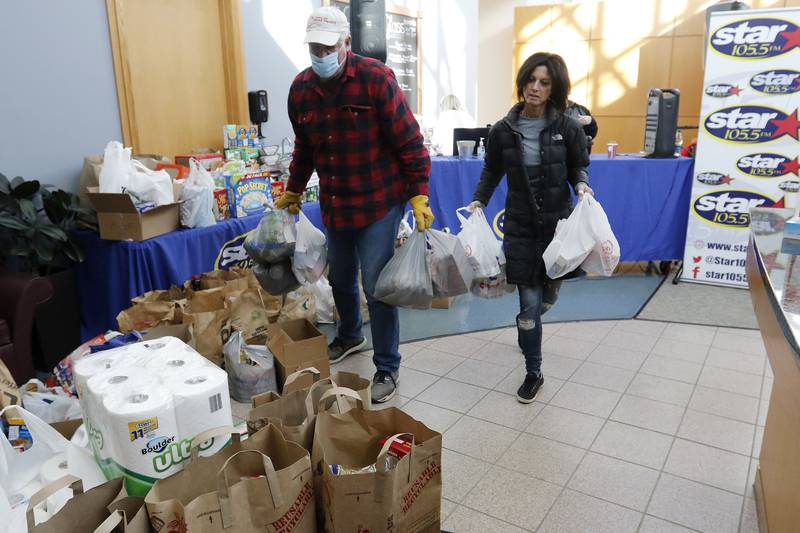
{"x": 248, "y": 194}
{"x": 221, "y": 202}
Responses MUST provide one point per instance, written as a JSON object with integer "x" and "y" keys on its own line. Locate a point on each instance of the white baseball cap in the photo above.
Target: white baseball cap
{"x": 325, "y": 26}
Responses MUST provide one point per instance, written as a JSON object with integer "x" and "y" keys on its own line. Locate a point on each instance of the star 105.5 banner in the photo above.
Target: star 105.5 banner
{"x": 747, "y": 145}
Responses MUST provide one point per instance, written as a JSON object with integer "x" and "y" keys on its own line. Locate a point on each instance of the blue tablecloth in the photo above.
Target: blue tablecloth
{"x": 647, "y": 203}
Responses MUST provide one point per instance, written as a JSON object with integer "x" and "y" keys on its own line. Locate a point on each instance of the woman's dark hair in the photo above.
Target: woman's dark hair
{"x": 559, "y": 77}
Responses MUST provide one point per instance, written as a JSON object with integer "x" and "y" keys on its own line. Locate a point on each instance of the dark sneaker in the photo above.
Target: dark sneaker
{"x": 529, "y": 388}
{"x": 339, "y": 349}
{"x": 384, "y": 386}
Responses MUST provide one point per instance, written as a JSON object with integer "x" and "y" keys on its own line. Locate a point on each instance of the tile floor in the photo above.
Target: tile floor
{"x": 641, "y": 426}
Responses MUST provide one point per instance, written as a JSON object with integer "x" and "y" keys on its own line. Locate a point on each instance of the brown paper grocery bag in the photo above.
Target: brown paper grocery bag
{"x": 86, "y": 511}
{"x": 263, "y": 484}
{"x": 145, "y": 315}
{"x": 248, "y": 313}
{"x": 405, "y": 497}
{"x": 295, "y": 413}
{"x": 304, "y": 378}
{"x": 299, "y": 303}
{"x": 209, "y": 333}
{"x": 9, "y": 392}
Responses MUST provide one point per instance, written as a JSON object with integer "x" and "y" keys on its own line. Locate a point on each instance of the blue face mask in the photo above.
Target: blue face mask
{"x": 325, "y": 67}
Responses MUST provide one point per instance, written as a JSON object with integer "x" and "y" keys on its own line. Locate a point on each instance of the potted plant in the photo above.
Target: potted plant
{"x": 37, "y": 225}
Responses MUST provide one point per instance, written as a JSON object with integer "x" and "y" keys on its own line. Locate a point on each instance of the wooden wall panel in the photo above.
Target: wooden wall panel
{"x": 632, "y": 46}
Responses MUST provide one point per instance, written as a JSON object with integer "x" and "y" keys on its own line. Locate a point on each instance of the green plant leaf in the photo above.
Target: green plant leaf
{"x": 54, "y": 232}
{"x": 26, "y": 189}
{"x": 28, "y": 210}
{"x": 12, "y": 223}
{"x": 5, "y": 186}
{"x": 45, "y": 254}
{"x": 16, "y": 182}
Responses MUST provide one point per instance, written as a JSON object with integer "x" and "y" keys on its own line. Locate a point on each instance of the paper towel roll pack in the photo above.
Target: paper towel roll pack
{"x": 144, "y": 403}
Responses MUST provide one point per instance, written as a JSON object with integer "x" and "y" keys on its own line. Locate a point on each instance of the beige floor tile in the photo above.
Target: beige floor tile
{"x": 460, "y": 345}
{"x": 479, "y": 439}
{"x": 551, "y": 329}
{"x": 664, "y": 367}
{"x": 685, "y": 351}
{"x": 651, "y": 524}
{"x": 661, "y": 389}
{"x": 398, "y": 401}
{"x": 559, "y": 366}
{"x": 642, "y": 327}
{"x": 568, "y": 346}
{"x": 648, "y": 414}
{"x": 716, "y": 431}
{"x": 479, "y": 373}
{"x": 464, "y": 520}
{"x": 358, "y": 364}
{"x": 485, "y": 335}
{"x": 452, "y": 395}
{"x": 690, "y": 333}
{"x": 586, "y": 399}
{"x": 741, "y": 362}
{"x": 500, "y": 354}
{"x": 731, "y": 381}
{"x": 695, "y": 506}
{"x": 436, "y": 418}
{"x": 627, "y": 359}
{"x": 412, "y": 382}
{"x": 239, "y": 409}
{"x": 737, "y": 343}
{"x": 750, "y": 490}
{"x": 707, "y": 465}
{"x": 749, "y": 333}
{"x": 587, "y": 331}
{"x": 757, "y": 441}
{"x": 513, "y": 497}
{"x": 603, "y": 376}
{"x": 578, "y": 513}
{"x": 749, "y": 517}
{"x": 447, "y": 509}
{"x": 632, "y": 444}
{"x": 569, "y": 427}
{"x": 512, "y": 382}
{"x": 763, "y": 409}
{"x": 433, "y": 361}
{"x": 624, "y": 339}
{"x": 766, "y": 389}
{"x": 460, "y": 473}
{"x": 505, "y": 410}
{"x": 727, "y": 404}
{"x": 615, "y": 481}
{"x": 508, "y": 336}
{"x": 542, "y": 458}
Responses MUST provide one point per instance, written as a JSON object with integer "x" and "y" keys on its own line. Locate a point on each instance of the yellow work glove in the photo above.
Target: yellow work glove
{"x": 422, "y": 212}
{"x": 290, "y": 201}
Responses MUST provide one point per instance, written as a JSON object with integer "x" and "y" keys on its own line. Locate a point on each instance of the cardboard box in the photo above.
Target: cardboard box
{"x": 119, "y": 220}
{"x": 209, "y": 161}
{"x": 297, "y": 344}
{"x": 442, "y": 303}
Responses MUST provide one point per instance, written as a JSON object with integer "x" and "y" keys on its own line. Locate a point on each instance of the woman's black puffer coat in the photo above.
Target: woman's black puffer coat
{"x": 531, "y": 216}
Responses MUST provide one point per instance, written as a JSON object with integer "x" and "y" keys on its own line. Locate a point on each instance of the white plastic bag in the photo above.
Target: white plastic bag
{"x": 150, "y": 185}
{"x": 50, "y": 405}
{"x": 405, "y": 281}
{"x": 17, "y": 469}
{"x": 310, "y": 252}
{"x": 451, "y": 270}
{"x": 405, "y": 230}
{"x": 326, "y": 307}
{"x": 604, "y": 257}
{"x": 197, "y": 207}
{"x": 273, "y": 239}
{"x": 573, "y": 241}
{"x": 483, "y": 249}
{"x": 251, "y": 368}
{"x": 115, "y": 172}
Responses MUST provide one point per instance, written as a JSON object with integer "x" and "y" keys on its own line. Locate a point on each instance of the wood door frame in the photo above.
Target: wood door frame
{"x": 232, "y": 57}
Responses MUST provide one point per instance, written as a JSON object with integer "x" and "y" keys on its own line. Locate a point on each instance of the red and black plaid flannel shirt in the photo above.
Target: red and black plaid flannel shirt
{"x": 362, "y": 139}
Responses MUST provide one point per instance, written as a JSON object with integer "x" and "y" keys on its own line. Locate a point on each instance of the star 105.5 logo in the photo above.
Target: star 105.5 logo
{"x": 777, "y": 81}
{"x": 756, "y": 38}
{"x": 767, "y": 165}
{"x": 751, "y": 124}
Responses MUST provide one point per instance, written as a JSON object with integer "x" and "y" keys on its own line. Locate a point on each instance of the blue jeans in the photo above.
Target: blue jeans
{"x": 371, "y": 247}
{"x": 529, "y": 327}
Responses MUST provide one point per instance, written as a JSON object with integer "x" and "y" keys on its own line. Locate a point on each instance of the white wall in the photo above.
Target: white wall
{"x": 275, "y": 53}
{"x": 58, "y": 98}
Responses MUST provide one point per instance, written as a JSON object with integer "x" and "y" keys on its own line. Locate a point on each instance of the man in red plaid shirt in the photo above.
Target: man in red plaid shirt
{"x": 353, "y": 125}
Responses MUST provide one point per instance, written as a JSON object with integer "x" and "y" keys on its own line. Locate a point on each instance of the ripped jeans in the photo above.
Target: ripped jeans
{"x": 529, "y": 327}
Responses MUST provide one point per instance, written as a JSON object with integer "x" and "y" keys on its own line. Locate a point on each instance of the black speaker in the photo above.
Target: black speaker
{"x": 368, "y": 28}
{"x": 661, "y": 123}
{"x": 259, "y": 107}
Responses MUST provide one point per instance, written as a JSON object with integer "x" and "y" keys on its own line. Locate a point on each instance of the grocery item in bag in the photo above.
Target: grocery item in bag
{"x": 572, "y": 243}
{"x": 299, "y": 303}
{"x": 197, "y": 197}
{"x": 273, "y": 239}
{"x": 484, "y": 251}
{"x": 405, "y": 281}
{"x": 451, "y": 271}
{"x": 310, "y": 253}
{"x": 276, "y": 278}
{"x": 492, "y": 287}
{"x": 251, "y": 368}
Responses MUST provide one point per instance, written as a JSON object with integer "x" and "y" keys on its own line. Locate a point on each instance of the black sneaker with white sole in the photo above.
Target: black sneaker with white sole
{"x": 384, "y": 386}
{"x": 339, "y": 349}
{"x": 527, "y": 391}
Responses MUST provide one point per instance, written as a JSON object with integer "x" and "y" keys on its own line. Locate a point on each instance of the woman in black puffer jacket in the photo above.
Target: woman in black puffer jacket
{"x": 542, "y": 152}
